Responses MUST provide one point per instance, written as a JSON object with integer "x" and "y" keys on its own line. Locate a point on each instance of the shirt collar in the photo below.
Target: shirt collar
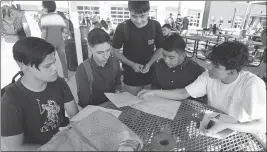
{"x": 184, "y": 64}
{"x": 94, "y": 64}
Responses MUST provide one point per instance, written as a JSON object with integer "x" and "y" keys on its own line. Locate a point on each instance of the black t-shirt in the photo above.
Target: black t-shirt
{"x": 139, "y": 48}
{"x": 36, "y": 114}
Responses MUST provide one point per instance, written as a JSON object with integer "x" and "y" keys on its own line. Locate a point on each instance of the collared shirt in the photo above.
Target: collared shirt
{"x": 104, "y": 80}
{"x": 177, "y": 77}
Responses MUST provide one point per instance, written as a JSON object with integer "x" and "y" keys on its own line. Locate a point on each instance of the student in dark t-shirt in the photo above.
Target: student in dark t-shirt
{"x": 31, "y": 108}
{"x": 138, "y": 50}
{"x": 175, "y": 70}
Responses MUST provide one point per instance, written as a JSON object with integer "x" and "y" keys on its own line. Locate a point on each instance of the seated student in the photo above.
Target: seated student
{"x": 31, "y": 109}
{"x": 238, "y": 93}
{"x": 166, "y": 30}
{"x": 105, "y": 71}
{"x": 175, "y": 70}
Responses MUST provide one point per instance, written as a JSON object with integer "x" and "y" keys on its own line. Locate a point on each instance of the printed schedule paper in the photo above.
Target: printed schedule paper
{"x": 123, "y": 99}
{"x": 159, "y": 106}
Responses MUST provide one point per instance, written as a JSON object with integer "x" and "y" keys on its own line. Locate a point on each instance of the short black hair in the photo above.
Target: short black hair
{"x": 167, "y": 25}
{"x": 232, "y": 55}
{"x": 49, "y": 5}
{"x": 174, "y": 43}
{"x": 139, "y": 7}
{"x": 97, "y": 36}
{"x": 32, "y": 51}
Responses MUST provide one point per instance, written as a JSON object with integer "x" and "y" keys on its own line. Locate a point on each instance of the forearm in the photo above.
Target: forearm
{"x": 121, "y": 57}
{"x": 176, "y": 94}
{"x": 155, "y": 56}
{"x": 255, "y": 126}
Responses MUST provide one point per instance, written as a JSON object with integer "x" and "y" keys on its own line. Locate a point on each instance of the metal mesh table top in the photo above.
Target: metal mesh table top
{"x": 184, "y": 129}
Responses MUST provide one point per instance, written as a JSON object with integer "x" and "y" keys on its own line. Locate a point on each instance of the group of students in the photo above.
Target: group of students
{"x": 31, "y": 108}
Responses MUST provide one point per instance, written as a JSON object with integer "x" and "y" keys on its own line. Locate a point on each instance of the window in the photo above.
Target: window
{"x": 86, "y": 11}
{"x": 194, "y": 17}
{"x": 119, "y": 14}
{"x": 237, "y": 22}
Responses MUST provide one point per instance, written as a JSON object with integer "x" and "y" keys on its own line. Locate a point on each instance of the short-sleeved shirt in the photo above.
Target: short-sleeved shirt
{"x": 36, "y": 114}
{"x": 244, "y": 99}
{"x": 177, "y": 77}
{"x": 104, "y": 80}
{"x": 138, "y": 48}
{"x": 54, "y": 32}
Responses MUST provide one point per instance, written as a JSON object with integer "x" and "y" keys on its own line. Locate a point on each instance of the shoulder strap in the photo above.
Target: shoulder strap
{"x": 89, "y": 74}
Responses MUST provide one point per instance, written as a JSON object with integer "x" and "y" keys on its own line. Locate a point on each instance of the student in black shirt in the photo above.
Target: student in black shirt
{"x": 166, "y": 30}
{"x": 31, "y": 108}
{"x": 175, "y": 70}
{"x": 139, "y": 36}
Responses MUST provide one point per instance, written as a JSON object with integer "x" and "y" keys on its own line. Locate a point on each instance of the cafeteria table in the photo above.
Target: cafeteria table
{"x": 198, "y": 38}
{"x": 184, "y": 129}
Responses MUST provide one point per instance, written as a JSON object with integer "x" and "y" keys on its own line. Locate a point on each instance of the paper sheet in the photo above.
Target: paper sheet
{"x": 123, "y": 99}
{"x": 89, "y": 109}
{"x": 159, "y": 107}
{"x": 222, "y": 134}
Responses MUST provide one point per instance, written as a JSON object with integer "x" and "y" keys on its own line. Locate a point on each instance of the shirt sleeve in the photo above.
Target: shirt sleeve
{"x": 83, "y": 86}
{"x": 11, "y": 117}
{"x": 67, "y": 95}
{"x": 254, "y": 105}
{"x": 159, "y": 36}
{"x": 199, "y": 87}
{"x": 118, "y": 37}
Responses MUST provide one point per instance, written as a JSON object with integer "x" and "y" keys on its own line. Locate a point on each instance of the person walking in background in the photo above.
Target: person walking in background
{"x": 185, "y": 24}
{"x": 66, "y": 31}
{"x": 52, "y": 32}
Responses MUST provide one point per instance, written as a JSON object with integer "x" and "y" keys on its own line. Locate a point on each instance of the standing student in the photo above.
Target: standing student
{"x": 52, "y": 32}
{"x": 139, "y": 36}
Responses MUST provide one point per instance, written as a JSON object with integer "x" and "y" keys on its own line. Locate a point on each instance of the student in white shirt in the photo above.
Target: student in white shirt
{"x": 238, "y": 93}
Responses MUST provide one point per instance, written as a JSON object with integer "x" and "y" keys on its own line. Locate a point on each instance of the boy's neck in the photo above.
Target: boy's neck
{"x": 33, "y": 84}
{"x": 230, "y": 79}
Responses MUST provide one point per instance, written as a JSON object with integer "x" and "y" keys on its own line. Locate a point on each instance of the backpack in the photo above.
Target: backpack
{"x": 64, "y": 121}
{"x": 126, "y": 29}
{"x": 72, "y": 82}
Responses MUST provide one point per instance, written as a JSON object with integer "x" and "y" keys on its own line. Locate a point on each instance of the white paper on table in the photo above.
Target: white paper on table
{"x": 123, "y": 99}
{"x": 222, "y": 134}
{"x": 159, "y": 107}
{"x": 89, "y": 109}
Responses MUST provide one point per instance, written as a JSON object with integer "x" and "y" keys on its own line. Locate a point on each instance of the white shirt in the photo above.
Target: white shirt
{"x": 243, "y": 99}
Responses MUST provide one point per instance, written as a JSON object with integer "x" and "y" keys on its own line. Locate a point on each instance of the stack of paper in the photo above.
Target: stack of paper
{"x": 152, "y": 105}
{"x": 222, "y": 134}
{"x": 123, "y": 99}
{"x": 89, "y": 109}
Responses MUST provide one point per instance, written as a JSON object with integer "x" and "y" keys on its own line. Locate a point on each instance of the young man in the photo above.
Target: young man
{"x": 105, "y": 71}
{"x": 31, "y": 109}
{"x": 185, "y": 24}
{"x": 175, "y": 70}
{"x": 139, "y": 36}
{"x": 166, "y": 30}
{"x": 238, "y": 93}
